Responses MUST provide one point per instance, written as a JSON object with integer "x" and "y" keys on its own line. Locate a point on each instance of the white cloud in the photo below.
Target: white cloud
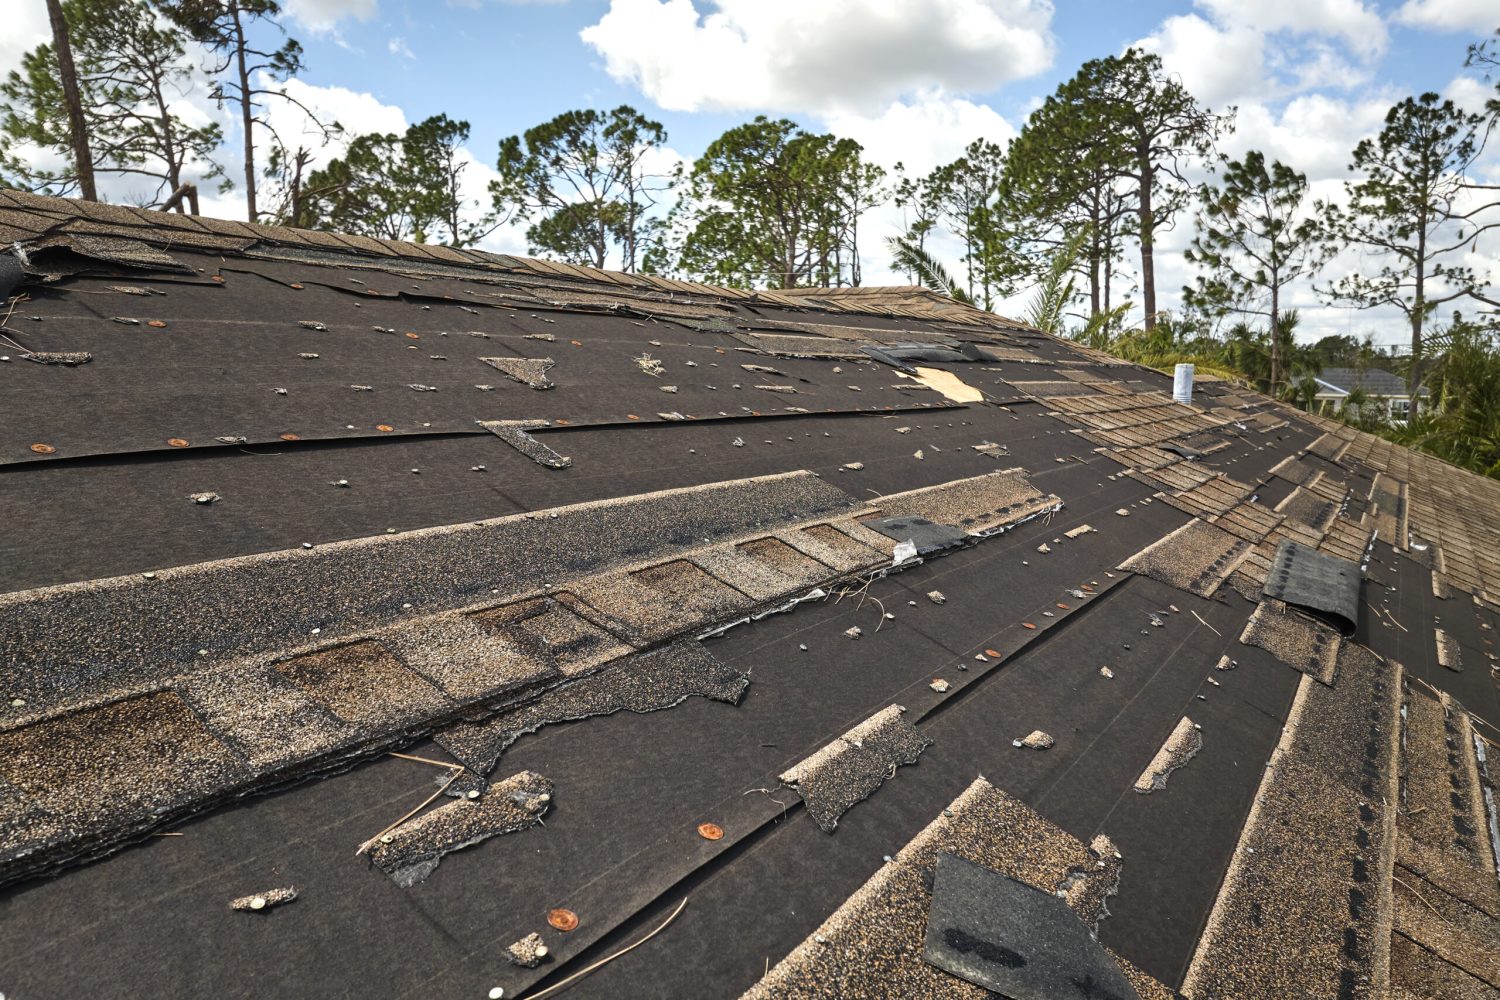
{"x": 818, "y": 56}
{"x": 320, "y": 16}
{"x": 358, "y": 112}
{"x": 928, "y": 131}
{"x": 1194, "y": 50}
{"x": 1313, "y": 133}
{"x": 1450, "y": 15}
{"x": 26, "y": 27}
{"x": 1357, "y": 25}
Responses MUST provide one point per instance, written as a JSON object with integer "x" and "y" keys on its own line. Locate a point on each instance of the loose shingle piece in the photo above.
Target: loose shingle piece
{"x": 1180, "y": 747}
{"x": 412, "y": 851}
{"x": 645, "y": 682}
{"x": 847, "y": 770}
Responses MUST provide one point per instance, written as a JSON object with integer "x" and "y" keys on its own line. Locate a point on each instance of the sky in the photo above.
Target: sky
{"x": 911, "y": 80}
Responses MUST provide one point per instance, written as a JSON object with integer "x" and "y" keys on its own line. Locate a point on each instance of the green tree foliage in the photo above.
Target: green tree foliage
{"x": 224, "y": 27}
{"x": 770, "y": 204}
{"x": 919, "y": 215}
{"x": 1412, "y": 215}
{"x": 1463, "y": 424}
{"x": 401, "y": 187}
{"x": 1061, "y": 179}
{"x": 1250, "y": 244}
{"x": 1486, "y": 54}
{"x": 1121, "y": 127}
{"x": 131, "y": 70}
{"x": 582, "y": 180}
{"x": 966, "y": 196}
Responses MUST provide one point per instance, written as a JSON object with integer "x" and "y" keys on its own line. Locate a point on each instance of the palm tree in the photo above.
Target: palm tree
{"x": 916, "y": 260}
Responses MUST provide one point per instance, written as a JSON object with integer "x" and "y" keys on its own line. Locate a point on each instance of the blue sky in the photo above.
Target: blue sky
{"x": 506, "y": 66}
{"x": 913, "y": 80}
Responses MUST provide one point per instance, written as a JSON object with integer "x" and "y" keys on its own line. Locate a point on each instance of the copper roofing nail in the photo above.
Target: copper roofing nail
{"x": 563, "y": 920}
{"x": 177, "y": 442}
{"x": 158, "y": 324}
{"x": 710, "y": 831}
{"x": 43, "y": 449}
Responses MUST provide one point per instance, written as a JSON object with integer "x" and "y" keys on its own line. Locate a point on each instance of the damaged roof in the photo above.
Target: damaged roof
{"x": 389, "y": 620}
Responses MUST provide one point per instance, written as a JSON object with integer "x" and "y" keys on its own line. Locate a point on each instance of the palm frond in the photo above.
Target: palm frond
{"x": 1045, "y": 311}
{"x": 916, "y": 260}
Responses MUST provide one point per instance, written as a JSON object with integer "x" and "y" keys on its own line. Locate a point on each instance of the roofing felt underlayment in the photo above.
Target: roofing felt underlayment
{"x": 473, "y": 613}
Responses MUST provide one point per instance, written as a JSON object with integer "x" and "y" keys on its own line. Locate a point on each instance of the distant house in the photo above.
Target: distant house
{"x": 1382, "y": 390}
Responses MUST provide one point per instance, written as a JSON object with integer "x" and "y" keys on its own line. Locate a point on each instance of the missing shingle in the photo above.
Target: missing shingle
{"x": 979, "y": 505}
{"x": 847, "y": 770}
{"x": 412, "y": 851}
{"x": 527, "y": 371}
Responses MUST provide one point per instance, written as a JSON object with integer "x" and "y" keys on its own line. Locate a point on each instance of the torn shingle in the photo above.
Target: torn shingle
{"x": 514, "y": 433}
{"x": 1321, "y": 584}
{"x": 1294, "y": 639}
{"x": 644, "y": 682}
{"x": 412, "y": 851}
{"x": 527, "y": 371}
{"x": 847, "y": 770}
{"x": 1180, "y": 747}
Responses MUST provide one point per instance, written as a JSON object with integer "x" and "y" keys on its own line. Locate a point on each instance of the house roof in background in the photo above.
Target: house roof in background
{"x": 475, "y": 598}
{"x": 1374, "y": 381}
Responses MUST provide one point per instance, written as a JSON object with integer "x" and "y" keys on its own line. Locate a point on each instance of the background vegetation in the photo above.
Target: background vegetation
{"x": 1118, "y": 154}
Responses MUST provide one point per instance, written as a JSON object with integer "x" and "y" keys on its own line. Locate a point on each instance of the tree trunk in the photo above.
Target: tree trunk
{"x": 1419, "y": 308}
{"x": 83, "y": 157}
{"x": 1148, "y": 225}
{"x": 247, "y": 116}
{"x": 1275, "y": 333}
